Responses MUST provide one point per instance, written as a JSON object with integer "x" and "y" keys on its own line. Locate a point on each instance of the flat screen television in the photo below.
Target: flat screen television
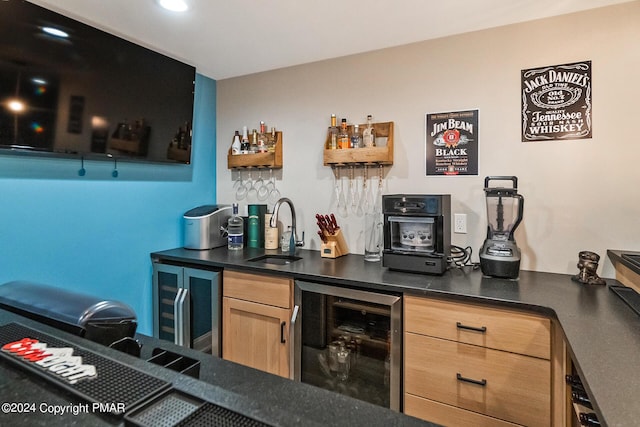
{"x": 69, "y": 89}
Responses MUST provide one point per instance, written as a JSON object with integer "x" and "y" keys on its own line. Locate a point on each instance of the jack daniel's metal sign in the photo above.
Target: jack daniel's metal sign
{"x": 556, "y": 102}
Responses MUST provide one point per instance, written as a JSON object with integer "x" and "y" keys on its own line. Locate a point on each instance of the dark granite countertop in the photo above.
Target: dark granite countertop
{"x": 601, "y": 331}
{"x": 617, "y": 257}
{"x": 264, "y": 397}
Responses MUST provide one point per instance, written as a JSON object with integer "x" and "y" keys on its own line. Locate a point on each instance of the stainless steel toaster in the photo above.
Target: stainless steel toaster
{"x": 205, "y": 227}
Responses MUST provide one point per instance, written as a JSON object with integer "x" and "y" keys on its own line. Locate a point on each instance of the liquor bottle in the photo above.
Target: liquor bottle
{"x": 244, "y": 144}
{"x": 356, "y": 139}
{"x": 369, "y": 134}
{"x": 343, "y": 136}
{"x": 253, "y": 147}
{"x": 235, "y": 146}
{"x": 235, "y": 230}
{"x": 271, "y": 144}
{"x": 263, "y": 138}
{"x": 333, "y": 134}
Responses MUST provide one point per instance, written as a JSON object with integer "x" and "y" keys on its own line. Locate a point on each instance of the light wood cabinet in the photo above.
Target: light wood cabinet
{"x": 467, "y": 364}
{"x": 256, "y": 321}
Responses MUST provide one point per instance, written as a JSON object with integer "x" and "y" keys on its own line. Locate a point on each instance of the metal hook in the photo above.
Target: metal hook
{"x": 82, "y": 171}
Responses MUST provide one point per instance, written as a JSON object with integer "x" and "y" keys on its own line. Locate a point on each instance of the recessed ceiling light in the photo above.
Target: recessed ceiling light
{"x": 174, "y": 5}
{"x": 16, "y": 105}
{"x": 56, "y": 32}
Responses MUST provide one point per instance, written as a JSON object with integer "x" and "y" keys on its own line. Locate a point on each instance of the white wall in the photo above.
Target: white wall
{"x": 579, "y": 195}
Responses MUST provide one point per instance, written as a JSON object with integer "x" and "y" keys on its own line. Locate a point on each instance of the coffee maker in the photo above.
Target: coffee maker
{"x": 500, "y": 256}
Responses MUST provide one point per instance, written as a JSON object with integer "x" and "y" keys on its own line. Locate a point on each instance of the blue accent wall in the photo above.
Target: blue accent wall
{"x": 94, "y": 234}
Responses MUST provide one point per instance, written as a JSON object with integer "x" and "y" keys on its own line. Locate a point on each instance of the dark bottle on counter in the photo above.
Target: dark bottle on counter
{"x": 235, "y": 230}
{"x": 588, "y": 419}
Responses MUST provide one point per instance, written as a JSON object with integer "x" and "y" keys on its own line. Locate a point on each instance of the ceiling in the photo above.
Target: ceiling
{"x": 229, "y": 38}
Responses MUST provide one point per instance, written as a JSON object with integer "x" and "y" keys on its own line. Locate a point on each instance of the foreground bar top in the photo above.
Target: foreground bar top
{"x": 35, "y": 401}
{"x": 602, "y": 332}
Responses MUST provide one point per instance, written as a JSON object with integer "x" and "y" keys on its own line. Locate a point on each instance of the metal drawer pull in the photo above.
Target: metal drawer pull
{"x": 459, "y": 325}
{"x": 282, "y": 339}
{"x": 482, "y": 382}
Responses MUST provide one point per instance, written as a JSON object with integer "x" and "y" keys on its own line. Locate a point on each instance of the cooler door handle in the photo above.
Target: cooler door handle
{"x": 292, "y": 337}
{"x": 177, "y": 318}
{"x": 186, "y": 318}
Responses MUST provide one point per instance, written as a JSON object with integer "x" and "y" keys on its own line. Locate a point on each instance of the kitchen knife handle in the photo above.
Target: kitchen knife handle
{"x": 482, "y": 329}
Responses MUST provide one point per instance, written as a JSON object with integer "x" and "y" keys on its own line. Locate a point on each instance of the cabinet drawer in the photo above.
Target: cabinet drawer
{"x": 447, "y": 415}
{"x": 504, "y": 385}
{"x": 263, "y": 289}
{"x": 484, "y": 326}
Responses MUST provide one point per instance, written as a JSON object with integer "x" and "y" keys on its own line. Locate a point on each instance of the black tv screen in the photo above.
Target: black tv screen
{"x": 89, "y": 93}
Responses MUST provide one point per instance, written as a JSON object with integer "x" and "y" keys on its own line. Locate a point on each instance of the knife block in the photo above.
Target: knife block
{"x": 335, "y": 247}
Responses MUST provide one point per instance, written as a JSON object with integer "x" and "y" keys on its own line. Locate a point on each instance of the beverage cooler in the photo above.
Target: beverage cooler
{"x": 186, "y": 307}
{"x": 349, "y": 341}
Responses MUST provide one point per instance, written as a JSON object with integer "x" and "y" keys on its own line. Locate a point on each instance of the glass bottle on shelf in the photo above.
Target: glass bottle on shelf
{"x": 333, "y": 134}
{"x": 271, "y": 144}
{"x": 343, "y": 136}
{"x": 263, "y": 138}
{"x": 369, "y": 134}
{"x": 244, "y": 144}
{"x": 235, "y": 146}
{"x": 356, "y": 139}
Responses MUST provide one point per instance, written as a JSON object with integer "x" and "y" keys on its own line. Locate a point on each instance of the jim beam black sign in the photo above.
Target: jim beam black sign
{"x": 452, "y": 143}
{"x": 556, "y": 102}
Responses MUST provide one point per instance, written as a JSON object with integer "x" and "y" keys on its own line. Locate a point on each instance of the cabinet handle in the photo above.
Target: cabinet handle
{"x": 482, "y": 382}
{"x": 282, "y": 338}
{"x": 482, "y": 329}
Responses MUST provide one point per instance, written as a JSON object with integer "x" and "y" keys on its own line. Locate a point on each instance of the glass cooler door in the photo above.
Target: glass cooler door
{"x": 350, "y": 343}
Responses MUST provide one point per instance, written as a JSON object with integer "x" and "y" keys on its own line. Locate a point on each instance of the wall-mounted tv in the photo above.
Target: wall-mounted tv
{"x": 69, "y": 89}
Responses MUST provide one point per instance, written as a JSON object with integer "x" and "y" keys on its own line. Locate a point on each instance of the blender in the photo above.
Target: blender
{"x": 500, "y": 256}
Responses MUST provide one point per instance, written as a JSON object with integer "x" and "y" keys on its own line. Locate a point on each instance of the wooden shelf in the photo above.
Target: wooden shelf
{"x": 128, "y": 146}
{"x": 258, "y": 160}
{"x": 179, "y": 154}
{"x": 367, "y": 155}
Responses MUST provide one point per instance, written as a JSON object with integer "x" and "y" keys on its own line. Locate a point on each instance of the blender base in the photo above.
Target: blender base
{"x": 502, "y": 266}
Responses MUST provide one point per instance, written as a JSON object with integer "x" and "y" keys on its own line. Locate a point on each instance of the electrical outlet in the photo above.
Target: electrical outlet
{"x": 460, "y": 223}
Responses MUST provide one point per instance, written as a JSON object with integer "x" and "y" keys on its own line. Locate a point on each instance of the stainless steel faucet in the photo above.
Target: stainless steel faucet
{"x": 274, "y": 223}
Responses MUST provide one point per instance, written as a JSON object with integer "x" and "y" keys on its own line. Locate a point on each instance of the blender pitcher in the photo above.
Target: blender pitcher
{"x": 500, "y": 256}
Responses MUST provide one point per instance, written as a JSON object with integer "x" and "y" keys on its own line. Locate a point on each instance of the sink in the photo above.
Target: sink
{"x": 276, "y": 259}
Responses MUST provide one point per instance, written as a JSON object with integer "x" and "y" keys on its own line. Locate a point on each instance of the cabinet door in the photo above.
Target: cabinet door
{"x": 167, "y": 279}
{"x": 256, "y": 335}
